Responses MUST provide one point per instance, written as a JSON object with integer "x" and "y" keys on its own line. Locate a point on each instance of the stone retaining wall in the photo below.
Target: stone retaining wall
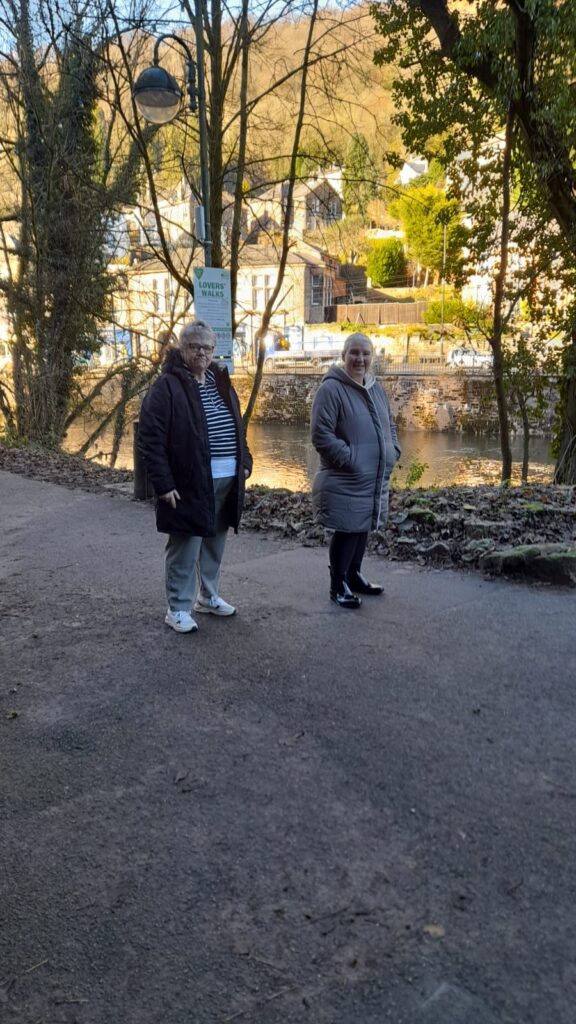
{"x": 433, "y": 402}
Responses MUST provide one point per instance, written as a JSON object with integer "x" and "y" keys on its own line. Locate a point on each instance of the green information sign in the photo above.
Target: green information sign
{"x": 212, "y": 303}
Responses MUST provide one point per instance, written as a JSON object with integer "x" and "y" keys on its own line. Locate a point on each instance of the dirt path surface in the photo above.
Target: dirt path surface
{"x": 300, "y": 814}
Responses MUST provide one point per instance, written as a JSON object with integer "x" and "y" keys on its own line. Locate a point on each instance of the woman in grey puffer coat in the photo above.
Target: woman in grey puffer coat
{"x": 355, "y": 436}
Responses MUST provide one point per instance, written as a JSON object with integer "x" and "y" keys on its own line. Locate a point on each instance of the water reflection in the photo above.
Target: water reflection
{"x": 284, "y": 457}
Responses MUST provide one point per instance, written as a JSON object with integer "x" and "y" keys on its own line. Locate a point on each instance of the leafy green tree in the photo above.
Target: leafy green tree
{"x": 433, "y": 228}
{"x": 465, "y": 315}
{"x": 386, "y": 262}
{"x": 360, "y": 177}
{"x": 466, "y": 72}
{"x": 65, "y": 187}
{"x": 530, "y": 370}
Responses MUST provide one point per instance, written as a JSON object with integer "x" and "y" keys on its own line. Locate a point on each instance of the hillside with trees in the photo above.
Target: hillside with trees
{"x": 347, "y": 97}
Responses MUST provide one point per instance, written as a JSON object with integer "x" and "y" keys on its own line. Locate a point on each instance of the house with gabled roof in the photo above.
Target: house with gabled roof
{"x": 316, "y": 204}
{"x": 412, "y": 169}
{"x": 307, "y": 290}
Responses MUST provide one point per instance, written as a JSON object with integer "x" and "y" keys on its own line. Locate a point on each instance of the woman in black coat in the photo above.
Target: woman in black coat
{"x": 192, "y": 440}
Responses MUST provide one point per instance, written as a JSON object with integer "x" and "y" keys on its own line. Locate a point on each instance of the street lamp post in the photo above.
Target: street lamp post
{"x": 158, "y": 97}
{"x": 443, "y": 219}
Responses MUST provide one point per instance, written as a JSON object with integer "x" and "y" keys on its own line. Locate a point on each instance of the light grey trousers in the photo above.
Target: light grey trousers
{"x": 193, "y": 563}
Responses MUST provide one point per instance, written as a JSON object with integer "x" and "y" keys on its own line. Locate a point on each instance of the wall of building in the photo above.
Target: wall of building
{"x": 292, "y": 300}
{"x": 433, "y": 402}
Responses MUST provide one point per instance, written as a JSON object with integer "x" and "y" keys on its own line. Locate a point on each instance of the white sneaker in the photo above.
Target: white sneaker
{"x": 182, "y": 622}
{"x": 214, "y": 606}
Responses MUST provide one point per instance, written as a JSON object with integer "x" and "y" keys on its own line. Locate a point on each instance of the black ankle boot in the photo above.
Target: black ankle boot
{"x": 341, "y": 594}
{"x": 360, "y": 585}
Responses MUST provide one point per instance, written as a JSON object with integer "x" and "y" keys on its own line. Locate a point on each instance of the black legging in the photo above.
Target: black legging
{"x": 346, "y": 552}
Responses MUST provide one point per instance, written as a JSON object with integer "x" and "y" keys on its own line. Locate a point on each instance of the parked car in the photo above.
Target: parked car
{"x": 286, "y": 357}
{"x": 318, "y": 349}
{"x": 324, "y": 346}
{"x": 469, "y": 357}
{"x": 314, "y": 341}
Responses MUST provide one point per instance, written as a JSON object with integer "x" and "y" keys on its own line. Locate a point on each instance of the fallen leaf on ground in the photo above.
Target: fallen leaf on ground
{"x": 289, "y": 741}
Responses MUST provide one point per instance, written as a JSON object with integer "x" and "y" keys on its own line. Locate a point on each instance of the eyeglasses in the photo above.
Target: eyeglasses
{"x": 197, "y": 349}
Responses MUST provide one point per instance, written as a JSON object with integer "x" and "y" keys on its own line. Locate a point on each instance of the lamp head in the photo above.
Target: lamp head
{"x": 157, "y": 95}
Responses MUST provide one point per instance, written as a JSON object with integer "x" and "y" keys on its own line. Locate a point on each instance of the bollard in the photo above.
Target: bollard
{"x": 142, "y": 487}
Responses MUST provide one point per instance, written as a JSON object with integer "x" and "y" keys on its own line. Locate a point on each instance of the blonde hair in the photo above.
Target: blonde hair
{"x": 357, "y": 336}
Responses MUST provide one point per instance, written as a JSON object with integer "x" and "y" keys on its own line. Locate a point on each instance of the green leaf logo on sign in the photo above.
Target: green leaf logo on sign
{"x": 199, "y": 273}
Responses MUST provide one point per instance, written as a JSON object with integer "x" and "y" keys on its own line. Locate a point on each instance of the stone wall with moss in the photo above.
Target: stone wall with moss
{"x": 433, "y": 402}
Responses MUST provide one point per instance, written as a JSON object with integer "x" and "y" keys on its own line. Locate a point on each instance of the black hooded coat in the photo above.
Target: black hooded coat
{"x": 173, "y": 441}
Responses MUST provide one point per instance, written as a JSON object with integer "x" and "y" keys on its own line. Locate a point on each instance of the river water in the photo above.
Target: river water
{"x": 284, "y": 456}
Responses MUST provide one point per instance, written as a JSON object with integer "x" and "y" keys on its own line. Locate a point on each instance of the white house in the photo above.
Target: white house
{"x": 411, "y": 169}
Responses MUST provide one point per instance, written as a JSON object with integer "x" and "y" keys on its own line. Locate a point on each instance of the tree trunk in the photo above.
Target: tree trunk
{"x": 215, "y": 108}
{"x": 285, "y": 246}
{"x": 525, "y": 438}
{"x": 257, "y": 381}
{"x": 235, "y": 234}
{"x": 498, "y": 328}
{"x": 502, "y": 404}
{"x": 565, "y": 472}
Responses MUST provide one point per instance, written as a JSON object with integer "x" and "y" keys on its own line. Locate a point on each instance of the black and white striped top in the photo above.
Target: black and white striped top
{"x": 221, "y": 426}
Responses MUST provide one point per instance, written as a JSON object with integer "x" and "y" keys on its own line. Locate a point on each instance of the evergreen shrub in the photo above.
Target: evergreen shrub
{"x": 386, "y": 263}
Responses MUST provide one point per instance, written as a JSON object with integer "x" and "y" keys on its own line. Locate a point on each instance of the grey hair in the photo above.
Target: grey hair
{"x": 357, "y": 336}
{"x": 196, "y": 330}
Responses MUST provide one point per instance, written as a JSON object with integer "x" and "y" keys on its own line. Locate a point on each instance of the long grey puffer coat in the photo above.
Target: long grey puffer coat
{"x": 354, "y": 433}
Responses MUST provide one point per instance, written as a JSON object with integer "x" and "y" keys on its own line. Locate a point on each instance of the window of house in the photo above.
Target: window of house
{"x": 261, "y": 290}
{"x": 328, "y": 291}
{"x": 315, "y": 213}
{"x": 155, "y": 302}
{"x": 317, "y": 289}
{"x": 167, "y": 295}
{"x": 333, "y": 209}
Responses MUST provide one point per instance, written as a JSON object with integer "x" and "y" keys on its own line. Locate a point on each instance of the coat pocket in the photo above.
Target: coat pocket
{"x": 353, "y": 458}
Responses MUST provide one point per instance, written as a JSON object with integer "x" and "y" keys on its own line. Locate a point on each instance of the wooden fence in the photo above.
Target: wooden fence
{"x": 371, "y": 313}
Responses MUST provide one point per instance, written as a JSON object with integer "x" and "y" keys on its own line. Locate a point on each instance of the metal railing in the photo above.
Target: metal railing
{"x": 382, "y": 366}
